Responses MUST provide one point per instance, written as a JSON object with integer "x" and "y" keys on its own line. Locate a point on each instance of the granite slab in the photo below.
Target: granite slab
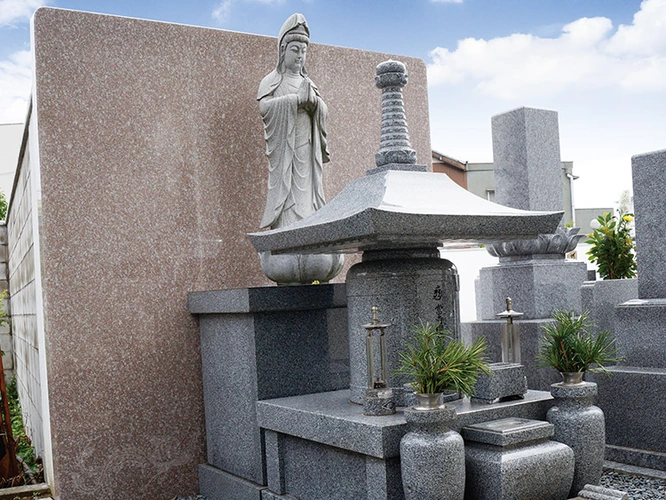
{"x": 329, "y": 418}
{"x": 268, "y": 299}
{"x": 508, "y": 431}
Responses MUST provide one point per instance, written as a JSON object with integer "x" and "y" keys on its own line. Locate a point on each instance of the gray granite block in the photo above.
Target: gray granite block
{"x": 639, "y": 332}
{"x": 649, "y": 184}
{"x": 526, "y": 156}
{"x": 314, "y": 471}
{"x": 268, "y": 299}
{"x": 530, "y": 337}
{"x": 633, "y": 402}
{"x": 274, "y": 455}
{"x": 301, "y": 352}
{"x": 641, "y": 460}
{"x": 407, "y": 287}
{"x": 537, "y": 287}
{"x": 216, "y": 484}
{"x": 599, "y": 298}
{"x": 230, "y": 395}
{"x": 264, "y": 354}
{"x": 383, "y": 478}
{"x": 521, "y": 463}
{"x": 330, "y": 419}
{"x": 508, "y": 431}
{"x": 505, "y": 380}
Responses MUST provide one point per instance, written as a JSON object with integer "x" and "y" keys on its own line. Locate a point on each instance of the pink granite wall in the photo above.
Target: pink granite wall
{"x": 152, "y": 170}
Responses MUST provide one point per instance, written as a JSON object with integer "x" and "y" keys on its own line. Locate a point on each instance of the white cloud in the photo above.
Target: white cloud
{"x": 18, "y": 10}
{"x": 587, "y": 54}
{"x": 222, "y": 11}
{"x": 646, "y": 35}
{"x": 15, "y": 85}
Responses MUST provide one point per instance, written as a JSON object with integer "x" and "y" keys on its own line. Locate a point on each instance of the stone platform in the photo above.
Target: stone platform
{"x": 262, "y": 343}
{"x": 322, "y": 446}
{"x": 633, "y": 402}
{"x": 538, "y": 286}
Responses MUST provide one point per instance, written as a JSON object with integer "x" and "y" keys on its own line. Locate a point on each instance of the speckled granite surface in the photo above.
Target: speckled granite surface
{"x": 152, "y": 172}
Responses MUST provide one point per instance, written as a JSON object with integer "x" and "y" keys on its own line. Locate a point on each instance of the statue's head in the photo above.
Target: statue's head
{"x": 295, "y": 29}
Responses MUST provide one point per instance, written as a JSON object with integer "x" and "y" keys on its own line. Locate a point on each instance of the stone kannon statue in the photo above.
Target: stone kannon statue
{"x": 294, "y": 116}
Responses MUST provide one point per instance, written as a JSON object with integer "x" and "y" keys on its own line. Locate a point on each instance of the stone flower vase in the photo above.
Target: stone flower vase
{"x": 580, "y": 425}
{"x": 432, "y": 456}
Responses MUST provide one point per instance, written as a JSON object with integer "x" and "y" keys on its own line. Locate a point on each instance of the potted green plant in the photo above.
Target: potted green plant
{"x": 571, "y": 348}
{"x": 432, "y": 455}
{"x": 613, "y": 249}
{"x": 436, "y": 363}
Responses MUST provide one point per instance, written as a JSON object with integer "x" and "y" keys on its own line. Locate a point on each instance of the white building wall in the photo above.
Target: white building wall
{"x": 24, "y": 288}
{"x": 10, "y": 143}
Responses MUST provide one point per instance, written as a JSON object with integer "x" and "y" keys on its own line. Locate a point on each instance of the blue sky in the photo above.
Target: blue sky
{"x": 600, "y": 63}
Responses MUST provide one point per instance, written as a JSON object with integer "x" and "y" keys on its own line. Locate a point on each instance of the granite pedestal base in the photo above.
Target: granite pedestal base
{"x": 530, "y": 336}
{"x": 321, "y": 446}
{"x": 216, "y": 484}
{"x": 634, "y": 405}
{"x": 262, "y": 343}
{"x": 514, "y": 458}
{"x": 600, "y": 297}
{"x": 537, "y": 286}
{"x": 639, "y": 332}
{"x": 506, "y": 380}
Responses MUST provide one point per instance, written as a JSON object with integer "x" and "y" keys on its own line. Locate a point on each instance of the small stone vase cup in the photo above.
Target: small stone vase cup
{"x": 572, "y": 378}
{"x": 580, "y": 425}
{"x": 432, "y": 456}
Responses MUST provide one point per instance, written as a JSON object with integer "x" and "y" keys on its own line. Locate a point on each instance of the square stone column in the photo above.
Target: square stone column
{"x": 526, "y": 157}
{"x": 649, "y": 179}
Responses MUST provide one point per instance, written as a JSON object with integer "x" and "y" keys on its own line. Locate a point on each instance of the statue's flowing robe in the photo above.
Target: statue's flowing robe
{"x": 296, "y": 148}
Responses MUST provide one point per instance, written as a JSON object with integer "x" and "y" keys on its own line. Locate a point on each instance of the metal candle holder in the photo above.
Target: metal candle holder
{"x": 376, "y": 329}
{"x": 378, "y": 396}
{"x": 510, "y": 334}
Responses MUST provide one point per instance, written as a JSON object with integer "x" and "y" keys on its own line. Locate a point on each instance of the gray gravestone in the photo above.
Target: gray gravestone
{"x": 526, "y": 157}
{"x": 632, "y": 398}
{"x": 649, "y": 201}
{"x": 534, "y": 273}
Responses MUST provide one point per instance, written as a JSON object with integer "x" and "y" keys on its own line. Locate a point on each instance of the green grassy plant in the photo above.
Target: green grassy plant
{"x": 570, "y": 346}
{"x": 24, "y": 448}
{"x": 437, "y": 363}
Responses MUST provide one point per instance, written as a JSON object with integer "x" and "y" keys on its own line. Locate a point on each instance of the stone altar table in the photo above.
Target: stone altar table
{"x": 320, "y": 446}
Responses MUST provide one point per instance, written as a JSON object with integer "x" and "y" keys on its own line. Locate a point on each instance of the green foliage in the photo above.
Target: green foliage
{"x": 4, "y": 319}
{"x": 612, "y": 249}
{"x": 438, "y": 363}
{"x": 3, "y": 206}
{"x": 24, "y": 448}
{"x": 569, "y": 345}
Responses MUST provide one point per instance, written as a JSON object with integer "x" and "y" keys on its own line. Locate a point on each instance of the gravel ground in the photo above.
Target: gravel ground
{"x": 638, "y": 487}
